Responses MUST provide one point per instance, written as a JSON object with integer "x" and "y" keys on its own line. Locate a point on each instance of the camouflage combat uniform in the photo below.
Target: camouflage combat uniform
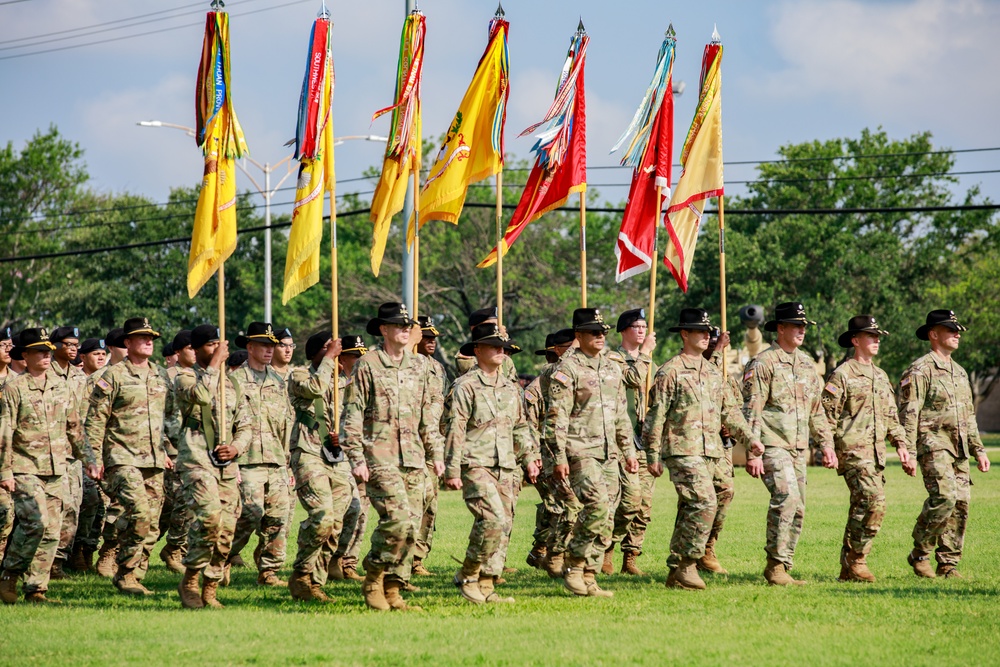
{"x": 39, "y": 432}
{"x": 587, "y": 427}
{"x": 212, "y": 493}
{"x": 175, "y": 516}
{"x": 783, "y": 407}
{"x": 425, "y": 534}
{"x": 689, "y": 404}
{"x": 356, "y": 517}
{"x": 125, "y": 427}
{"x": 293, "y": 499}
{"x": 6, "y": 501}
{"x": 391, "y": 421}
{"x": 263, "y": 476}
{"x": 73, "y": 479}
{"x": 635, "y": 510}
{"x": 859, "y": 402}
{"x": 559, "y": 508}
{"x": 937, "y": 414}
{"x": 94, "y": 505}
{"x": 722, "y": 472}
{"x": 324, "y": 489}
{"x": 485, "y": 421}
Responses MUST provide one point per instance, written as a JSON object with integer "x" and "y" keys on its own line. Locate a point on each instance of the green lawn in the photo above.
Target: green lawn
{"x": 900, "y": 620}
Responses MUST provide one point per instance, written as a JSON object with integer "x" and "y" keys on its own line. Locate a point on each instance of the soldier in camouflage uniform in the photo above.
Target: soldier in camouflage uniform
{"x": 860, "y": 405}
{"x": 263, "y": 476}
{"x": 937, "y": 414}
{"x": 322, "y": 474}
{"x": 688, "y": 405}
{"x": 124, "y": 428}
{"x": 559, "y": 508}
{"x": 67, "y": 342}
{"x": 175, "y": 517}
{"x": 6, "y": 375}
{"x": 206, "y": 461}
{"x": 390, "y": 427}
{"x": 281, "y": 363}
{"x": 93, "y": 353}
{"x": 586, "y": 431}
{"x": 425, "y": 536}
{"x": 635, "y": 510}
{"x": 783, "y": 406}
{"x": 107, "y": 561}
{"x": 463, "y": 363}
{"x": 345, "y": 560}
{"x": 486, "y": 418}
{"x": 39, "y": 432}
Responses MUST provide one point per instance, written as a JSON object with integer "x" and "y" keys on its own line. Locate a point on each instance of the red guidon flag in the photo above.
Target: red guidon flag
{"x": 701, "y": 159}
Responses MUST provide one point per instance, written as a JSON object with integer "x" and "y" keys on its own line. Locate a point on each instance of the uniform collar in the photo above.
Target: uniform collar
{"x": 691, "y": 363}
{"x": 943, "y": 364}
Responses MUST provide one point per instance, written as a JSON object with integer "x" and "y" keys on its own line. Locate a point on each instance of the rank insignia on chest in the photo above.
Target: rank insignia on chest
{"x": 561, "y": 378}
{"x": 832, "y": 388}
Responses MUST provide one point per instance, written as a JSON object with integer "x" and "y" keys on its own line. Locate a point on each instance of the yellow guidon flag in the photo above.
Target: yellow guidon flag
{"x": 701, "y": 159}
{"x": 314, "y": 150}
{"x": 473, "y": 147}
{"x": 402, "y": 150}
{"x": 220, "y": 137}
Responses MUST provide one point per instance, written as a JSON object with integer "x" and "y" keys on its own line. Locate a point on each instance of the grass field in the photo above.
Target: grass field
{"x": 901, "y": 620}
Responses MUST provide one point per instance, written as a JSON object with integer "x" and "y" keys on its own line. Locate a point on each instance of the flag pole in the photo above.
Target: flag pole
{"x": 416, "y": 228}
{"x": 499, "y": 248}
{"x": 583, "y": 250}
{"x": 334, "y": 305}
{"x": 651, "y": 315}
{"x": 221, "y": 438}
{"x": 722, "y": 274}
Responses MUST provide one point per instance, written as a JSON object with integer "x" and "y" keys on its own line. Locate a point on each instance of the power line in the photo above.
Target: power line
{"x": 143, "y": 34}
{"x": 346, "y": 214}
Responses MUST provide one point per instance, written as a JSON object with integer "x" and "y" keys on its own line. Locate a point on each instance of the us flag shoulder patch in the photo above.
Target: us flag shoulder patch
{"x": 561, "y": 378}
{"x": 832, "y": 388}
{"x": 905, "y": 381}
{"x": 103, "y": 384}
{"x": 748, "y": 374}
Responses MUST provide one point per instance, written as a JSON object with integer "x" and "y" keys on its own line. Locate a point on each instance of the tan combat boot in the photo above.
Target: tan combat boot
{"x": 107, "y": 561}
{"x": 8, "y": 587}
{"x": 391, "y": 588}
{"x": 126, "y": 582}
{"x": 573, "y": 580}
{"x": 777, "y": 575}
{"x": 171, "y": 557}
{"x": 189, "y": 591}
{"x": 487, "y": 584}
{"x": 209, "y": 587}
{"x": 536, "y": 557}
{"x": 467, "y": 580}
{"x": 373, "y": 589}
{"x": 300, "y": 585}
{"x": 352, "y": 574}
{"x": 57, "y": 573}
{"x": 38, "y": 597}
{"x": 629, "y": 566}
{"x": 948, "y": 571}
{"x": 857, "y": 569}
{"x": 409, "y": 587}
{"x": 685, "y": 576}
{"x": 336, "y": 570}
{"x": 270, "y": 578}
{"x": 555, "y": 565}
{"x": 921, "y": 566}
{"x": 77, "y": 561}
{"x": 227, "y": 573}
{"x": 593, "y": 590}
{"x": 88, "y": 560}
{"x": 709, "y": 562}
{"x": 419, "y": 569}
{"x": 608, "y": 566}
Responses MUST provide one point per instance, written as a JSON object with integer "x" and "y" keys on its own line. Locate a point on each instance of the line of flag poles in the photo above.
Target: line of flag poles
{"x": 472, "y": 150}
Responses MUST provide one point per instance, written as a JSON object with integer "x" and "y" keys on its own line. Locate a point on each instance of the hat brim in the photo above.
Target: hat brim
{"x": 691, "y": 327}
{"x": 360, "y": 351}
{"x": 926, "y": 328}
{"x": 469, "y": 349}
{"x": 242, "y": 340}
{"x": 137, "y": 332}
{"x": 845, "y": 338}
{"x": 772, "y": 325}
{"x": 373, "y": 324}
{"x": 593, "y": 327}
{"x": 429, "y": 332}
{"x": 17, "y": 353}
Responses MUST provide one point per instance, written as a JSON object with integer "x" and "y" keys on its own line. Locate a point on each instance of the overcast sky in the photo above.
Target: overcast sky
{"x": 793, "y": 71}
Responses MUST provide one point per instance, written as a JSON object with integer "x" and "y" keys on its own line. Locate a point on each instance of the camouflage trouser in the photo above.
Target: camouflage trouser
{"x": 325, "y": 493}
{"x": 176, "y": 516}
{"x": 864, "y": 519}
{"x": 725, "y": 489}
{"x": 425, "y": 533}
{"x": 214, "y": 504}
{"x": 597, "y": 485}
{"x": 562, "y": 508}
{"x": 88, "y": 533}
{"x": 264, "y": 496}
{"x": 355, "y": 522}
{"x": 696, "y": 505}
{"x": 112, "y": 517}
{"x": 632, "y": 531}
{"x": 293, "y": 501}
{"x": 33, "y": 543}
{"x": 489, "y": 495}
{"x": 140, "y": 493}
{"x": 785, "y": 479}
{"x": 941, "y": 524}
{"x": 397, "y": 494}
{"x": 543, "y": 517}
{"x": 72, "y": 500}
{"x": 630, "y": 504}
{"x": 6, "y": 518}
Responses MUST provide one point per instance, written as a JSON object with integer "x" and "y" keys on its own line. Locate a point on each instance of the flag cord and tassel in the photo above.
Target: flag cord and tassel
{"x": 500, "y": 248}
{"x": 583, "y": 249}
{"x": 722, "y": 275}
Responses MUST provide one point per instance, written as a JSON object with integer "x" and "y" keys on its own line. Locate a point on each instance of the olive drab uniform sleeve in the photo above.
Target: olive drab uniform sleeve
{"x": 936, "y": 408}
{"x": 308, "y": 388}
{"x": 196, "y": 389}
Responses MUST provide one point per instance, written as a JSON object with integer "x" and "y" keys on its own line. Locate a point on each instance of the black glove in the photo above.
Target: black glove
{"x": 332, "y": 452}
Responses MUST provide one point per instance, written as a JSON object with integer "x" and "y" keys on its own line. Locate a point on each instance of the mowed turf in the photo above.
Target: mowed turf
{"x": 900, "y": 620}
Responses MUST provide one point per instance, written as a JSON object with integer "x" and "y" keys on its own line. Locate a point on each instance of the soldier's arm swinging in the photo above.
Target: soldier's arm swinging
{"x": 458, "y": 424}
